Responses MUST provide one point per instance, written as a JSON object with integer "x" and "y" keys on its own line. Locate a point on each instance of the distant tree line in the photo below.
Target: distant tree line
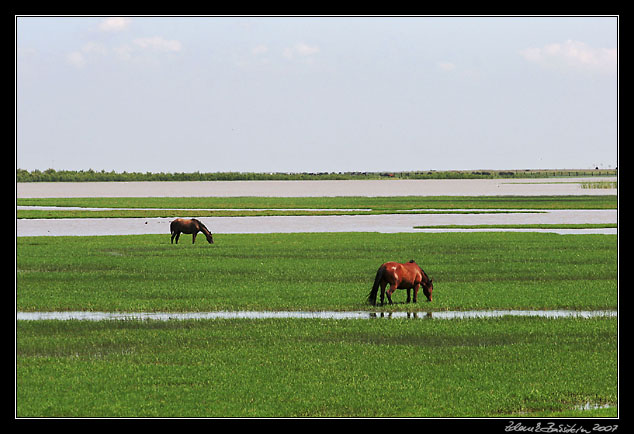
{"x": 51, "y": 175}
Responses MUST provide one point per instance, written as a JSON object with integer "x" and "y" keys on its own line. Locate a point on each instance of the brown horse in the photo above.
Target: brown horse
{"x": 189, "y": 226}
{"x": 400, "y": 276}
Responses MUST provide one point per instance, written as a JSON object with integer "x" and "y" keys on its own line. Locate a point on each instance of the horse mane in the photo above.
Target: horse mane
{"x": 411, "y": 261}
{"x": 423, "y": 271}
{"x": 202, "y": 225}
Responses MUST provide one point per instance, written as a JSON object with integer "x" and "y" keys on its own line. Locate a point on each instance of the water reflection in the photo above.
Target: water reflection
{"x": 412, "y": 315}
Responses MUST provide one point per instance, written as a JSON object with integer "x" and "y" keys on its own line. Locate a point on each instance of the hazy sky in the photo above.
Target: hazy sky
{"x": 292, "y": 94}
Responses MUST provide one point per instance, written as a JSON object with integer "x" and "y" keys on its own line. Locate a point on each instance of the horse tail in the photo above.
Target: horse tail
{"x": 375, "y": 287}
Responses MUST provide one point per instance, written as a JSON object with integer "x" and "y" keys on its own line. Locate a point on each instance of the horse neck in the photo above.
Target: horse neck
{"x": 424, "y": 274}
{"x": 203, "y": 229}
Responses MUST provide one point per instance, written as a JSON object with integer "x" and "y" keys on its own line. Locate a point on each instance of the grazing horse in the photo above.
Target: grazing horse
{"x": 189, "y": 226}
{"x": 400, "y": 276}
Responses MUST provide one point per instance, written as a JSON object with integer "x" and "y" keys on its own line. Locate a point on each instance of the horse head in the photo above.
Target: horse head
{"x": 210, "y": 238}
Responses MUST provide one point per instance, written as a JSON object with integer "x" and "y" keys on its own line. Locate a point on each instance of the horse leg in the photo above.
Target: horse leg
{"x": 383, "y": 285}
{"x": 194, "y": 237}
{"x": 408, "y": 295}
{"x": 173, "y": 235}
{"x": 390, "y": 291}
{"x": 415, "y": 292}
{"x": 178, "y": 235}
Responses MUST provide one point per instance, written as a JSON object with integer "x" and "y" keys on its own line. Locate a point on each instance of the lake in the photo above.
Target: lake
{"x": 392, "y": 187}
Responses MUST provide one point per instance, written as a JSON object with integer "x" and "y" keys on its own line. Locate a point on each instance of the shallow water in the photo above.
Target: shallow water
{"x": 389, "y": 223}
{"x": 377, "y": 188}
{"x": 167, "y": 316}
{"x": 593, "y": 406}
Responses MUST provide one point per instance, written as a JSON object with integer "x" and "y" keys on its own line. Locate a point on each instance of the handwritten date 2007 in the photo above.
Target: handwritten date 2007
{"x": 552, "y": 427}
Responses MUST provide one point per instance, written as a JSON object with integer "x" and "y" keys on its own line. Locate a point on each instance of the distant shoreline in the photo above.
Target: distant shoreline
{"x": 51, "y": 175}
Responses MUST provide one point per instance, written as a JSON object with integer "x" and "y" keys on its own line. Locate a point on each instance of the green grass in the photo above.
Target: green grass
{"x": 301, "y": 206}
{"x": 319, "y": 271}
{"x": 525, "y": 226}
{"x": 339, "y": 202}
{"x": 315, "y": 368}
{"x": 137, "y": 213}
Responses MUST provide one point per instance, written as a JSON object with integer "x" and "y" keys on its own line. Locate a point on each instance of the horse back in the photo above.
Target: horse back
{"x": 408, "y": 273}
{"x": 184, "y": 225}
{"x": 415, "y": 271}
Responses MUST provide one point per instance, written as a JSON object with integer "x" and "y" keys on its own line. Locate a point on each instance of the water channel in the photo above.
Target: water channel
{"x": 389, "y": 223}
{"x": 336, "y": 315}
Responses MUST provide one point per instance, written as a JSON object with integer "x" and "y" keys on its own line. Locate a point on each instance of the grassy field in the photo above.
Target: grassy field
{"x": 298, "y": 367}
{"x": 337, "y": 202}
{"x": 322, "y": 271}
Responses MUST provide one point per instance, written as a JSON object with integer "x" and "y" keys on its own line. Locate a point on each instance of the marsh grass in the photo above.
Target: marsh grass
{"x": 599, "y": 184}
{"x": 339, "y": 203}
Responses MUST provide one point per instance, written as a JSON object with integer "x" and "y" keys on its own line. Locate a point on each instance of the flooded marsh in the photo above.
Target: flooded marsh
{"x": 272, "y": 321}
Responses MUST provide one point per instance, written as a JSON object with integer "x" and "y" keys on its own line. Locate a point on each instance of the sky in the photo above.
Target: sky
{"x": 315, "y": 94}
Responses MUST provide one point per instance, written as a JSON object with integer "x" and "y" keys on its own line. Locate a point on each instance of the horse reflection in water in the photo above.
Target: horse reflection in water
{"x": 400, "y": 276}
{"x": 189, "y": 226}
{"x": 408, "y": 315}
